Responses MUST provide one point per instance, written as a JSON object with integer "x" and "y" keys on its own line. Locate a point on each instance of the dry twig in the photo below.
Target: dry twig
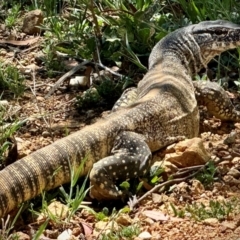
{"x": 65, "y": 76}
{"x": 184, "y": 171}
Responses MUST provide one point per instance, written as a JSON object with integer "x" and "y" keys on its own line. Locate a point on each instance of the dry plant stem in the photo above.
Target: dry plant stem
{"x": 184, "y": 171}
{"x": 38, "y": 116}
{"x": 165, "y": 184}
{"x": 109, "y": 70}
{"x": 102, "y": 66}
{"x": 107, "y": 223}
{"x": 28, "y": 49}
{"x": 39, "y": 85}
{"x": 190, "y": 168}
{"x": 96, "y": 56}
{"x": 94, "y": 63}
{"x": 64, "y": 77}
{"x": 34, "y": 82}
{"x": 48, "y": 123}
{"x": 106, "y": 68}
{"x": 173, "y": 181}
{"x": 20, "y": 43}
{"x": 5, "y": 224}
{"x": 96, "y": 29}
{"x": 236, "y": 154}
{"x": 97, "y": 34}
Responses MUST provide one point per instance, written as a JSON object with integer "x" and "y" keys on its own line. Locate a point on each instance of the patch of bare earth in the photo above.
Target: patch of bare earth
{"x": 50, "y": 119}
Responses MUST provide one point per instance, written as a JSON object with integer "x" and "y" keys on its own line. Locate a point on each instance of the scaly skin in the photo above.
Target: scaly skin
{"x": 164, "y": 110}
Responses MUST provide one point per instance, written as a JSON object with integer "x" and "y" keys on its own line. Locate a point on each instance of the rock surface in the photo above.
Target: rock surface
{"x": 31, "y": 22}
{"x": 188, "y": 153}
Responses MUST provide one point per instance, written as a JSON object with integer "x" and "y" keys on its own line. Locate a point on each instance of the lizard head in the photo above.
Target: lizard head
{"x": 215, "y": 37}
{"x": 195, "y": 45}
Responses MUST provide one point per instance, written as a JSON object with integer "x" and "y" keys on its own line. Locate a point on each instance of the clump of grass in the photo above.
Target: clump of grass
{"x": 5, "y": 140}
{"x": 119, "y": 231}
{"x": 90, "y": 98}
{"x": 7, "y": 132}
{"x": 105, "y": 93}
{"x": 207, "y": 175}
{"x": 8, "y": 225}
{"x": 73, "y": 200}
{"x": 215, "y": 209}
{"x": 11, "y": 79}
{"x": 125, "y": 232}
{"x": 12, "y": 15}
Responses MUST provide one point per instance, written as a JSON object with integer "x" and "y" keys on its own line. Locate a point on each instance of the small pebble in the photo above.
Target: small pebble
{"x": 145, "y": 235}
{"x": 46, "y": 134}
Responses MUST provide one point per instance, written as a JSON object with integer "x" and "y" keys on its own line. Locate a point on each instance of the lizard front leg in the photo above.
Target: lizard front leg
{"x": 131, "y": 157}
{"x": 128, "y": 97}
{"x": 216, "y": 100}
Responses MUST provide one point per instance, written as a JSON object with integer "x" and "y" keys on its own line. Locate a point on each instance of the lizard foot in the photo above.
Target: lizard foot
{"x": 216, "y": 100}
{"x": 128, "y": 97}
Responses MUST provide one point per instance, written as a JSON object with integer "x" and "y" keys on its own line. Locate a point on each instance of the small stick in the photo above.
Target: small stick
{"x": 172, "y": 181}
{"x": 64, "y": 77}
{"x": 157, "y": 187}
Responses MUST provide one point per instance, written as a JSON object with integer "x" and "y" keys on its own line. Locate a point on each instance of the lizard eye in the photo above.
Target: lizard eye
{"x": 218, "y": 32}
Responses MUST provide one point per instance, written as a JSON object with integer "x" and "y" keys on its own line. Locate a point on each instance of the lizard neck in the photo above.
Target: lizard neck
{"x": 169, "y": 70}
{"x": 181, "y": 49}
{"x": 174, "y": 60}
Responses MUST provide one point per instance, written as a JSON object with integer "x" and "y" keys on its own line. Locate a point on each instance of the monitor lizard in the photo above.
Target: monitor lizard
{"x": 162, "y": 110}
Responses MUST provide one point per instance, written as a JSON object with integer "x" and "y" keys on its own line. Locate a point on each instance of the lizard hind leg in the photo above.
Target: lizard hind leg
{"x": 131, "y": 157}
{"x": 216, "y": 100}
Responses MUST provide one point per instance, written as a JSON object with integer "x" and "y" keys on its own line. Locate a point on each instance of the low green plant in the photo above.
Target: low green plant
{"x": 204, "y": 77}
{"x": 207, "y": 175}
{"x": 134, "y": 186}
{"x": 105, "y": 93}
{"x": 198, "y": 10}
{"x": 216, "y": 209}
{"x": 40, "y": 231}
{"x": 44, "y": 210}
{"x": 12, "y": 15}
{"x": 50, "y": 59}
{"x": 90, "y": 98}
{"x": 111, "y": 90}
{"x": 155, "y": 174}
{"x": 96, "y": 33}
{"x": 178, "y": 212}
{"x": 237, "y": 82}
{"x": 5, "y": 143}
{"x": 73, "y": 199}
{"x": 123, "y": 33}
{"x": 11, "y": 79}
{"x": 121, "y": 232}
{"x": 8, "y": 225}
{"x": 6, "y": 133}
{"x": 125, "y": 185}
{"x": 102, "y": 215}
{"x": 124, "y": 232}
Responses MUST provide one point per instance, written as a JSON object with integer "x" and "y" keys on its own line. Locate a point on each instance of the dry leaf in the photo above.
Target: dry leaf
{"x": 156, "y": 215}
{"x": 86, "y": 228}
{"x": 26, "y": 42}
